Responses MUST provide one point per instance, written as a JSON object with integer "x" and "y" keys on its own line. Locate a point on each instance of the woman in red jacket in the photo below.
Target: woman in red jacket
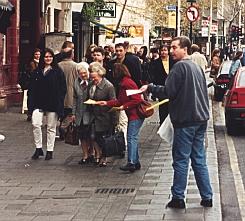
{"x": 123, "y": 79}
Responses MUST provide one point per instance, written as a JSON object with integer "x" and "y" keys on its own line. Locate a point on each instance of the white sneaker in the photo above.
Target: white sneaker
{"x": 2, "y": 138}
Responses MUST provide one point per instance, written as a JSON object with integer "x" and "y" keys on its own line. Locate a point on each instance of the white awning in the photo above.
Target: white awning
{"x": 6, "y": 5}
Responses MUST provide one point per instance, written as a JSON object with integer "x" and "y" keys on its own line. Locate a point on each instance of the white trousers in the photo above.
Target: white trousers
{"x": 37, "y": 122}
{"x": 123, "y": 124}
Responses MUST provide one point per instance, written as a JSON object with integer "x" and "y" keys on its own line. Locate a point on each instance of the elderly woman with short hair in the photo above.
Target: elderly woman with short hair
{"x": 104, "y": 121}
{"x": 80, "y": 111}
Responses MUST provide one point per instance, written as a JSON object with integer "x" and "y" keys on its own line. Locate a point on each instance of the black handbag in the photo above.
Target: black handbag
{"x": 71, "y": 135}
{"x": 114, "y": 145}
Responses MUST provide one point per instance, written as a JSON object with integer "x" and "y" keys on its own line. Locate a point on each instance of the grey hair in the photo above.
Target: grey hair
{"x": 97, "y": 67}
{"x": 82, "y": 66}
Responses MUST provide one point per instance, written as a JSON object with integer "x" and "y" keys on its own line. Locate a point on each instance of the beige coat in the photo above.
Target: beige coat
{"x": 69, "y": 68}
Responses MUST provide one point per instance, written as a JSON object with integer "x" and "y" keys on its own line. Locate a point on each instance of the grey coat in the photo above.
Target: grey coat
{"x": 104, "y": 120}
{"x": 81, "y": 110}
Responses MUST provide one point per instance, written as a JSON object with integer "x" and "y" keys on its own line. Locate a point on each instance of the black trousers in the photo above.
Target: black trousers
{"x": 163, "y": 112}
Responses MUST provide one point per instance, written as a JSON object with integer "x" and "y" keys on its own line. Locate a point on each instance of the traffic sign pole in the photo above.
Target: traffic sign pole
{"x": 191, "y": 27}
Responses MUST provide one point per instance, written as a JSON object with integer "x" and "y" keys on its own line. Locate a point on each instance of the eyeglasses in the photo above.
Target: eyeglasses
{"x": 48, "y": 56}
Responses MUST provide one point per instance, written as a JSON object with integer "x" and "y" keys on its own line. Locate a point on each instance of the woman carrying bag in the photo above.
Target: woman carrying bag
{"x": 130, "y": 104}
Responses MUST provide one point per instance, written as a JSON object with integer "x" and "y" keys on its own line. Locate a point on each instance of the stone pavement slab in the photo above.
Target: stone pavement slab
{"x": 61, "y": 189}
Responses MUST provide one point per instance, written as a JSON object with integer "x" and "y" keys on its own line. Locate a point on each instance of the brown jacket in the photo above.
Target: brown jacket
{"x": 69, "y": 67}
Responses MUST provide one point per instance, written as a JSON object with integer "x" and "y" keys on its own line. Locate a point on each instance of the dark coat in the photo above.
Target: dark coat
{"x": 104, "y": 120}
{"x": 132, "y": 62}
{"x": 47, "y": 92}
{"x": 157, "y": 72}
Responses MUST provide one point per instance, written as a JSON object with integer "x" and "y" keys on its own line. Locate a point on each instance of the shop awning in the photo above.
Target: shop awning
{"x": 6, "y": 5}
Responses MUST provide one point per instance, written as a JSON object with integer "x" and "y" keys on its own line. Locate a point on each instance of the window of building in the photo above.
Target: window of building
{"x": 56, "y": 20}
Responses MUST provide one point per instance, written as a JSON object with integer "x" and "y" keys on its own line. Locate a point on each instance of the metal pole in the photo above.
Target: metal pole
{"x": 178, "y": 17}
{"x": 209, "y": 30}
{"x": 191, "y": 28}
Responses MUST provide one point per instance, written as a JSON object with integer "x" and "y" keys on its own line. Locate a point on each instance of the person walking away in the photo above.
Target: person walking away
{"x": 66, "y": 46}
{"x": 145, "y": 63}
{"x": 69, "y": 67}
{"x": 236, "y": 63}
{"x": 198, "y": 58}
{"x": 215, "y": 63}
{"x": 129, "y": 104}
{"x": 159, "y": 70}
{"x": 186, "y": 89}
{"x": 81, "y": 114}
{"x": 46, "y": 93}
{"x": 103, "y": 122}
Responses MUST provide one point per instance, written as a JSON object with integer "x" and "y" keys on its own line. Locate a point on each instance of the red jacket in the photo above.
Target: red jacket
{"x": 129, "y": 103}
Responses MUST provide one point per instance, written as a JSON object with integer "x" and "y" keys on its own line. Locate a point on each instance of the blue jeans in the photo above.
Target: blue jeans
{"x": 132, "y": 140}
{"x": 189, "y": 144}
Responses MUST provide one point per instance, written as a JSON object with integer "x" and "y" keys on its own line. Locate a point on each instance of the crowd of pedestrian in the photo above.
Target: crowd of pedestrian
{"x": 58, "y": 90}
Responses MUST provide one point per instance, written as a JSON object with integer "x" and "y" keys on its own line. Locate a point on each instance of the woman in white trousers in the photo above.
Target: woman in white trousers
{"x": 46, "y": 93}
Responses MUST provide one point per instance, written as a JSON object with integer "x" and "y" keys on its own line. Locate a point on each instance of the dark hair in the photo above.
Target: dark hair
{"x": 183, "y": 42}
{"x": 67, "y": 54}
{"x": 67, "y": 44}
{"x": 237, "y": 55}
{"x": 163, "y": 46}
{"x": 215, "y": 52}
{"x": 120, "y": 45}
{"x": 41, "y": 63}
{"x": 154, "y": 50}
{"x": 100, "y": 50}
{"x": 145, "y": 50}
{"x": 120, "y": 70}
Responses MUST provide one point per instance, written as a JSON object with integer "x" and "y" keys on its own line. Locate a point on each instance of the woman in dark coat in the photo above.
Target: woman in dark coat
{"x": 46, "y": 98}
{"x": 104, "y": 121}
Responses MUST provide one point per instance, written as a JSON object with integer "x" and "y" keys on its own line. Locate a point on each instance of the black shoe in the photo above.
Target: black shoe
{"x": 49, "y": 155}
{"x": 128, "y": 167}
{"x": 137, "y": 166}
{"x": 38, "y": 152}
{"x": 176, "y": 203}
{"x": 83, "y": 161}
{"x": 207, "y": 203}
{"x": 28, "y": 118}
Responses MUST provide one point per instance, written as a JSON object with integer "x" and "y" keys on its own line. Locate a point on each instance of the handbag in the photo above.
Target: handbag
{"x": 71, "y": 135}
{"x": 114, "y": 144}
{"x": 141, "y": 109}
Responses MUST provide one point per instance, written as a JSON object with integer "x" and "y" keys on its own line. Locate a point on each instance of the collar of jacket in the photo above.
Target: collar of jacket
{"x": 102, "y": 84}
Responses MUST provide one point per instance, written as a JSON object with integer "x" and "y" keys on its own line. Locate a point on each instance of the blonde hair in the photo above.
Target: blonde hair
{"x": 97, "y": 67}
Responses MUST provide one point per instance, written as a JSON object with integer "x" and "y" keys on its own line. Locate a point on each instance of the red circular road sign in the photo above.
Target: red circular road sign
{"x": 192, "y": 13}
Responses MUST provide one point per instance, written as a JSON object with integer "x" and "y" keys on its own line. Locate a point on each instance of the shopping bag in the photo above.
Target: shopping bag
{"x": 166, "y": 131}
{"x": 114, "y": 145}
{"x": 71, "y": 135}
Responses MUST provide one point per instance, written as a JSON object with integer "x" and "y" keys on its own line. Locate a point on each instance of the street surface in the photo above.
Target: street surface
{"x": 63, "y": 190}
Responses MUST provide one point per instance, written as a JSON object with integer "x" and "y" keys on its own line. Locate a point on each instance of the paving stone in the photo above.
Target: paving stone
{"x": 15, "y": 206}
{"x": 143, "y": 217}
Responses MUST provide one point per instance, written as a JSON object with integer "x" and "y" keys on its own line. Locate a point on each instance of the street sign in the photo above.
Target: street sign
{"x": 192, "y": 13}
{"x": 108, "y": 10}
{"x": 171, "y": 7}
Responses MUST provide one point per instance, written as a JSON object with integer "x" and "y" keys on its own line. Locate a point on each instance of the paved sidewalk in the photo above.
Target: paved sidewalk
{"x": 63, "y": 190}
